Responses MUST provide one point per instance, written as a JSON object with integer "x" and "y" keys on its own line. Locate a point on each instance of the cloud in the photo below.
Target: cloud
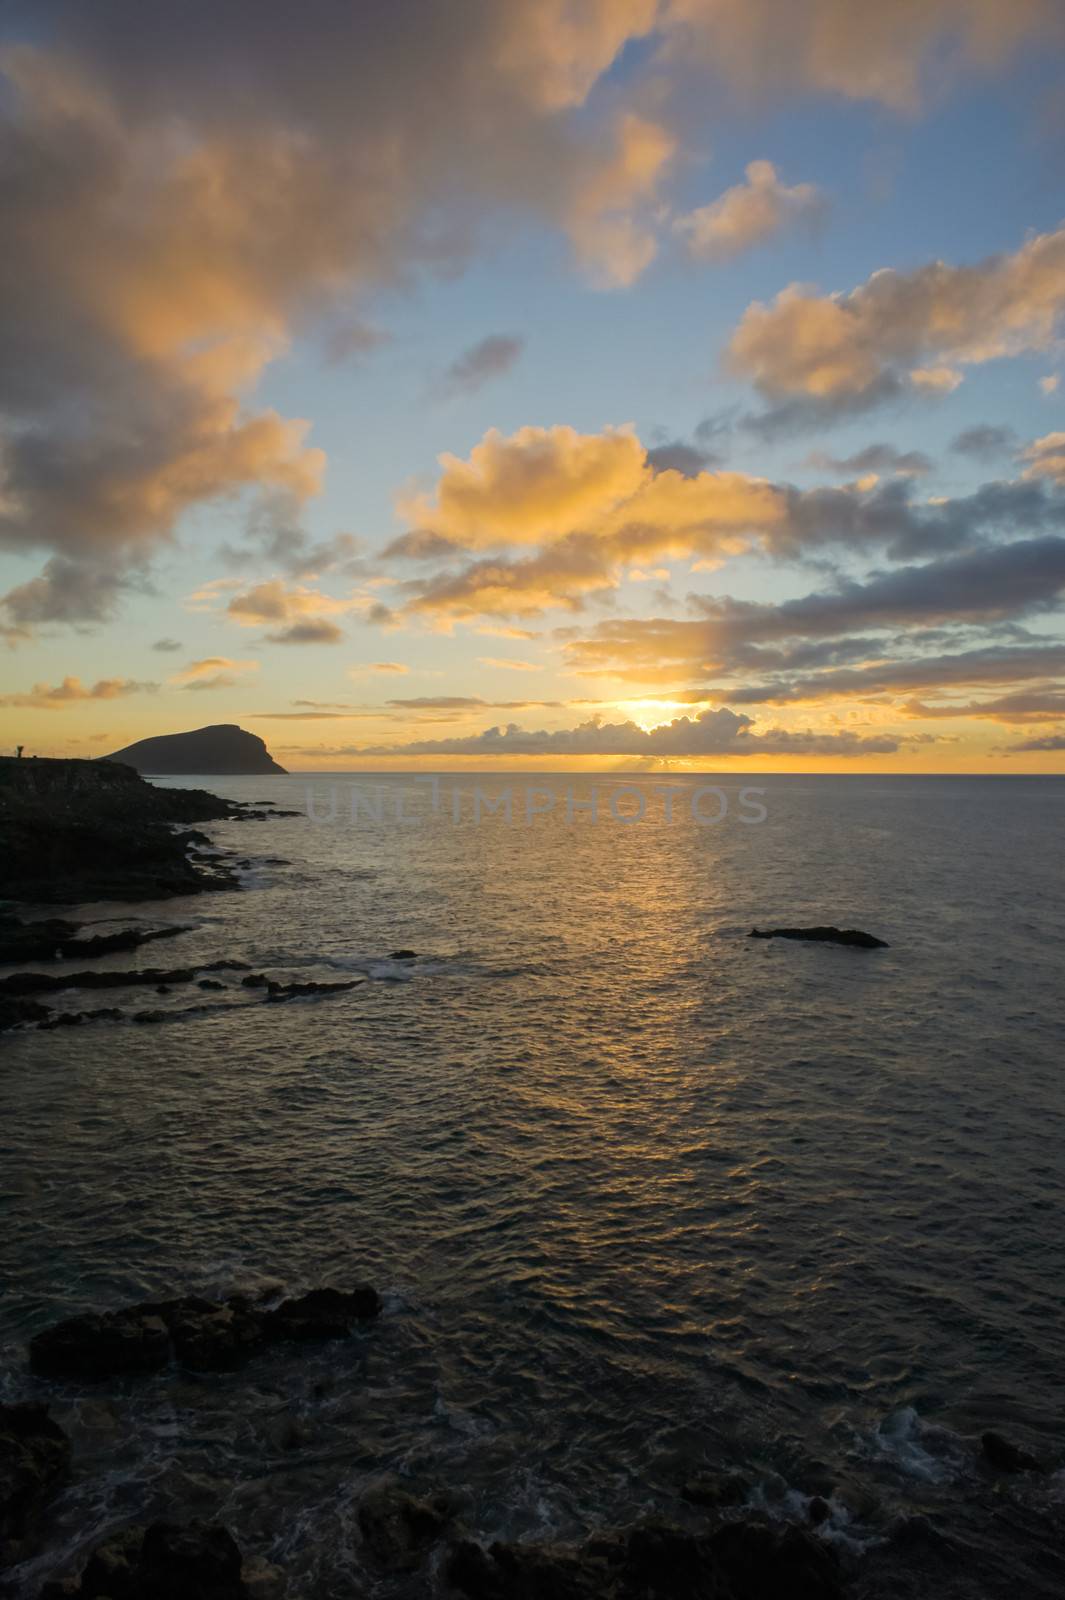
{"x": 65, "y": 591}
{"x": 490, "y": 358}
{"x": 507, "y": 665}
{"x": 687, "y": 459}
{"x": 310, "y": 630}
{"x": 461, "y": 702}
{"x": 582, "y": 504}
{"x": 989, "y": 664}
{"x": 873, "y": 458}
{"x": 609, "y": 214}
{"x": 749, "y": 214}
{"x": 1050, "y": 741}
{"x": 180, "y": 201}
{"x": 213, "y": 672}
{"x": 554, "y": 518}
{"x": 274, "y": 533}
{"x": 379, "y": 667}
{"x": 900, "y": 327}
{"x": 1043, "y": 705}
{"x": 1002, "y": 583}
{"x": 305, "y": 611}
{"x": 72, "y": 690}
{"x": 875, "y": 52}
{"x": 1049, "y": 384}
{"x": 1046, "y": 458}
{"x": 984, "y": 442}
{"x": 167, "y": 645}
{"x": 719, "y": 732}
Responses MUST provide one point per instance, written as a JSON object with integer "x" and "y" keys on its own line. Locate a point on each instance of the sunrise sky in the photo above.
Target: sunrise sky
{"x": 536, "y": 382}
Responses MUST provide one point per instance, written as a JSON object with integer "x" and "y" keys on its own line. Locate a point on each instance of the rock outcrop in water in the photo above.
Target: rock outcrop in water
{"x": 199, "y": 1561}
{"x": 399, "y": 1529}
{"x": 93, "y": 830}
{"x": 205, "y": 1335}
{"x": 1007, "y": 1457}
{"x": 854, "y": 936}
{"x": 220, "y": 750}
{"x": 34, "y": 1457}
{"x": 53, "y": 938}
{"x": 734, "y": 1561}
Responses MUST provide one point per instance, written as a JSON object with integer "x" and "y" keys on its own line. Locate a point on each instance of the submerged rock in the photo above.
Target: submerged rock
{"x": 53, "y": 937}
{"x": 165, "y": 1561}
{"x": 403, "y": 955}
{"x": 323, "y": 1313}
{"x": 34, "y": 1457}
{"x": 1007, "y": 1457}
{"x": 737, "y": 1561}
{"x": 20, "y": 983}
{"x": 853, "y": 936}
{"x": 101, "y": 1345}
{"x": 20, "y": 1013}
{"x": 288, "y": 991}
{"x": 204, "y": 1335}
{"x": 209, "y": 1336}
{"x": 400, "y": 1529}
{"x": 716, "y": 1489}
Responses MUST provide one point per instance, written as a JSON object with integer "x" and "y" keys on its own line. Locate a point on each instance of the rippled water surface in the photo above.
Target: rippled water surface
{"x": 642, "y": 1194}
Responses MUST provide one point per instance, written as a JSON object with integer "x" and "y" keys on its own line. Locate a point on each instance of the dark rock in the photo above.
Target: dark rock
{"x": 34, "y": 1456}
{"x": 818, "y": 1510}
{"x": 288, "y": 991}
{"x": 225, "y": 966}
{"x": 399, "y": 1529}
{"x": 716, "y": 1489}
{"x": 255, "y": 980}
{"x": 1007, "y": 1457}
{"x": 52, "y": 983}
{"x": 736, "y": 1561}
{"x": 761, "y": 1562}
{"x": 205, "y": 1335}
{"x": 209, "y": 1335}
{"x": 150, "y": 1016}
{"x": 53, "y": 938}
{"x": 323, "y": 1313}
{"x": 209, "y": 983}
{"x": 78, "y": 831}
{"x": 403, "y": 955}
{"x": 19, "y": 1013}
{"x": 69, "y": 1019}
{"x": 852, "y": 936}
{"x": 199, "y": 1561}
{"x": 101, "y": 1345}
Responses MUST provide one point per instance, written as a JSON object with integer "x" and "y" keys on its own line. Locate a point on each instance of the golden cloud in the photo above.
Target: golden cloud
{"x": 748, "y": 214}
{"x": 918, "y": 325}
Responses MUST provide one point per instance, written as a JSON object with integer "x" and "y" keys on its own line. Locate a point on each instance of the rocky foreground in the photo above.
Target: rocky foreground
{"x": 75, "y": 831}
{"x": 722, "y": 1550}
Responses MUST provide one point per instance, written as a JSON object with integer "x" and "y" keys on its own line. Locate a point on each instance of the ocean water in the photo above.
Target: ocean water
{"x": 643, "y": 1195}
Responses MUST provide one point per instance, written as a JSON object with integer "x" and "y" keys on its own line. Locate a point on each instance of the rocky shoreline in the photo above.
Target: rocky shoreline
{"x": 77, "y": 831}
{"x": 717, "y": 1545}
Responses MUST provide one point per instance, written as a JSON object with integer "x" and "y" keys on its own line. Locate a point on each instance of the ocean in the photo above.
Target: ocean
{"x": 643, "y": 1196}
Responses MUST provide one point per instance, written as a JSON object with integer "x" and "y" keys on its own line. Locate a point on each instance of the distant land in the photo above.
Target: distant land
{"x": 222, "y": 750}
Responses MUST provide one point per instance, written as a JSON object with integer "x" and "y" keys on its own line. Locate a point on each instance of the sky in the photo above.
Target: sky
{"x": 594, "y": 384}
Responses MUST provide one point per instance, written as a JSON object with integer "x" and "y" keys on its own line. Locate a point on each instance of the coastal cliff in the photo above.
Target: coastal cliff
{"x": 95, "y": 830}
{"x": 221, "y": 750}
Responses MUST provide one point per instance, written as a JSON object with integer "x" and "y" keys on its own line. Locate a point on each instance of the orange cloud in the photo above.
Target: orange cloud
{"x": 833, "y": 347}
{"x": 748, "y": 214}
{"x": 866, "y": 52}
{"x": 45, "y": 697}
